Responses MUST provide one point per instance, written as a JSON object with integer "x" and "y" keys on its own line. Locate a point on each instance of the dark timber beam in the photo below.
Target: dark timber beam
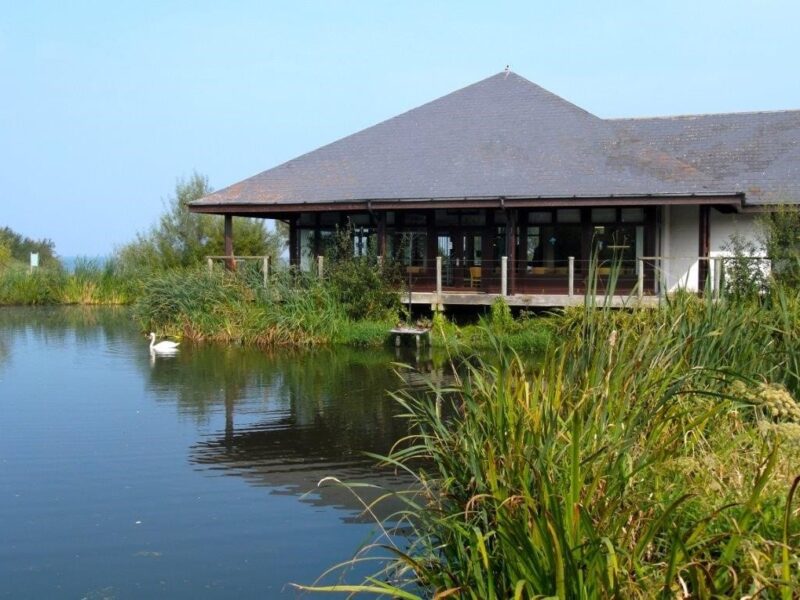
{"x": 511, "y": 248}
{"x": 267, "y": 210}
{"x": 230, "y": 263}
{"x": 381, "y": 232}
{"x": 705, "y": 247}
{"x": 294, "y": 248}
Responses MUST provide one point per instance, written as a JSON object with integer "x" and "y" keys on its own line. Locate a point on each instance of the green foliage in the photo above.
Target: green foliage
{"x": 744, "y": 275}
{"x": 18, "y": 286}
{"x": 183, "y": 239}
{"x": 500, "y": 318}
{"x": 782, "y": 242}
{"x": 365, "y": 288}
{"x": 20, "y": 248}
{"x": 89, "y": 283}
{"x": 295, "y": 309}
{"x": 651, "y": 453}
{"x": 5, "y": 254}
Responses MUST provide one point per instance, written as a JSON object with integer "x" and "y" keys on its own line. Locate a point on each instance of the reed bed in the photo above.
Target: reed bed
{"x": 89, "y": 283}
{"x": 650, "y": 454}
{"x": 295, "y": 309}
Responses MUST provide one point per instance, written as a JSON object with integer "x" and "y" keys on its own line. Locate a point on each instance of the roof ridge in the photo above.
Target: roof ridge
{"x": 694, "y": 115}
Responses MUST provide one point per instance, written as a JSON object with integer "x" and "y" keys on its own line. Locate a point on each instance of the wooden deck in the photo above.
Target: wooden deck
{"x": 446, "y": 298}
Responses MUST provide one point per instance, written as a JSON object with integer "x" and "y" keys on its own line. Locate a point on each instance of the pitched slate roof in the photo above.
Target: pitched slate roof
{"x": 507, "y": 137}
{"x": 756, "y": 153}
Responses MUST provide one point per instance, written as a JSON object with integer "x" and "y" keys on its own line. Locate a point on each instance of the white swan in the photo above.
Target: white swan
{"x": 165, "y": 346}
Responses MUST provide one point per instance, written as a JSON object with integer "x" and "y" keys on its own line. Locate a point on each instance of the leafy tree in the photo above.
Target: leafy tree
{"x": 181, "y": 238}
{"x": 19, "y": 247}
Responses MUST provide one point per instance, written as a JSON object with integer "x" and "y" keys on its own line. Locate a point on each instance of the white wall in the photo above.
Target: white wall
{"x": 680, "y": 242}
{"x": 680, "y": 247}
{"x": 725, "y": 225}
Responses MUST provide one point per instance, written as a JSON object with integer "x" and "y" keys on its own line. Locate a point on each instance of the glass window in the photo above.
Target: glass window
{"x": 330, "y": 219}
{"x": 621, "y": 244}
{"x": 549, "y": 247}
{"x": 306, "y": 219}
{"x": 538, "y": 217}
{"x": 500, "y": 217}
{"x": 307, "y": 249}
{"x": 364, "y": 240}
{"x": 359, "y": 219}
{"x": 410, "y": 248}
{"x": 568, "y": 215}
{"x": 390, "y": 217}
{"x": 472, "y": 249}
{"x": 632, "y": 215}
{"x": 477, "y": 217}
{"x": 604, "y": 215}
{"x": 414, "y": 218}
{"x": 446, "y": 217}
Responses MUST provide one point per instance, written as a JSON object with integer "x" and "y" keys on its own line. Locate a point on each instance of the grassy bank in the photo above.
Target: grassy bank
{"x": 89, "y": 283}
{"x": 296, "y": 309}
{"x": 654, "y": 453}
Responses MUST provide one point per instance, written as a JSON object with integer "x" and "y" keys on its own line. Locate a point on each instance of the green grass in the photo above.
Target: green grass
{"x": 89, "y": 283}
{"x": 650, "y": 454}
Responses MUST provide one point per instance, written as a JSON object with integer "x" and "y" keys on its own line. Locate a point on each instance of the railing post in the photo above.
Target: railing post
{"x": 640, "y": 276}
{"x": 504, "y": 276}
{"x": 438, "y": 279}
{"x": 320, "y": 266}
{"x": 210, "y": 265}
{"x": 717, "y": 277}
{"x": 265, "y": 269}
{"x": 571, "y": 276}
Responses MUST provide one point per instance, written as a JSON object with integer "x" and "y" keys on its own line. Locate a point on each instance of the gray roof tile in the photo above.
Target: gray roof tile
{"x": 506, "y": 136}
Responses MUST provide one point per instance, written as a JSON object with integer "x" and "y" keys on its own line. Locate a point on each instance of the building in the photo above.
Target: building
{"x": 515, "y": 189}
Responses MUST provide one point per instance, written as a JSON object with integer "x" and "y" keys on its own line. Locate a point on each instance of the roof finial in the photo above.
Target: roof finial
{"x": 507, "y": 70}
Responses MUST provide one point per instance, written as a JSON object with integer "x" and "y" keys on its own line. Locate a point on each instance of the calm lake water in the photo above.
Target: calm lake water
{"x": 179, "y": 477}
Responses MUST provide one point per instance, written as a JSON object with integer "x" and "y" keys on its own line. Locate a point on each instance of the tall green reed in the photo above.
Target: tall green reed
{"x": 626, "y": 464}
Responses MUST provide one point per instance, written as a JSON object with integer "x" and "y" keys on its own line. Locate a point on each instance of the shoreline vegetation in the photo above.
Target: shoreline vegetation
{"x": 650, "y": 453}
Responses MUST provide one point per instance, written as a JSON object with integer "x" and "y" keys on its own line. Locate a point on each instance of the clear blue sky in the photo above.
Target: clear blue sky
{"x": 104, "y": 104}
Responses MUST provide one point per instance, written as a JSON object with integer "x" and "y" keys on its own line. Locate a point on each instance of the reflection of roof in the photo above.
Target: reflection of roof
{"x": 507, "y": 137}
{"x": 295, "y": 459}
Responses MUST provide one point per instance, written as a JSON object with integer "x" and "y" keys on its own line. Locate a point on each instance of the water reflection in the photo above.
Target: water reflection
{"x": 291, "y": 419}
{"x": 199, "y": 459}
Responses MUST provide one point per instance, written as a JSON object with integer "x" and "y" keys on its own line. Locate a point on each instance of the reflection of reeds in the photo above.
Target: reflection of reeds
{"x": 624, "y": 467}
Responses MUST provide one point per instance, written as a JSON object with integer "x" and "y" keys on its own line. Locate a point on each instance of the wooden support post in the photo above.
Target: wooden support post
{"x": 210, "y": 265}
{"x": 504, "y": 276}
{"x": 488, "y": 251}
{"x": 229, "y": 261}
{"x": 640, "y": 277}
{"x": 265, "y": 270}
{"x": 704, "y": 247}
{"x": 571, "y": 276}
{"x": 380, "y": 219}
{"x": 432, "y": 242}
{"x": 511, "y": 248}
{"x": 438, "y": 279}
{"x": 320, "y": 271}
{"x": 294, "y": 250}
